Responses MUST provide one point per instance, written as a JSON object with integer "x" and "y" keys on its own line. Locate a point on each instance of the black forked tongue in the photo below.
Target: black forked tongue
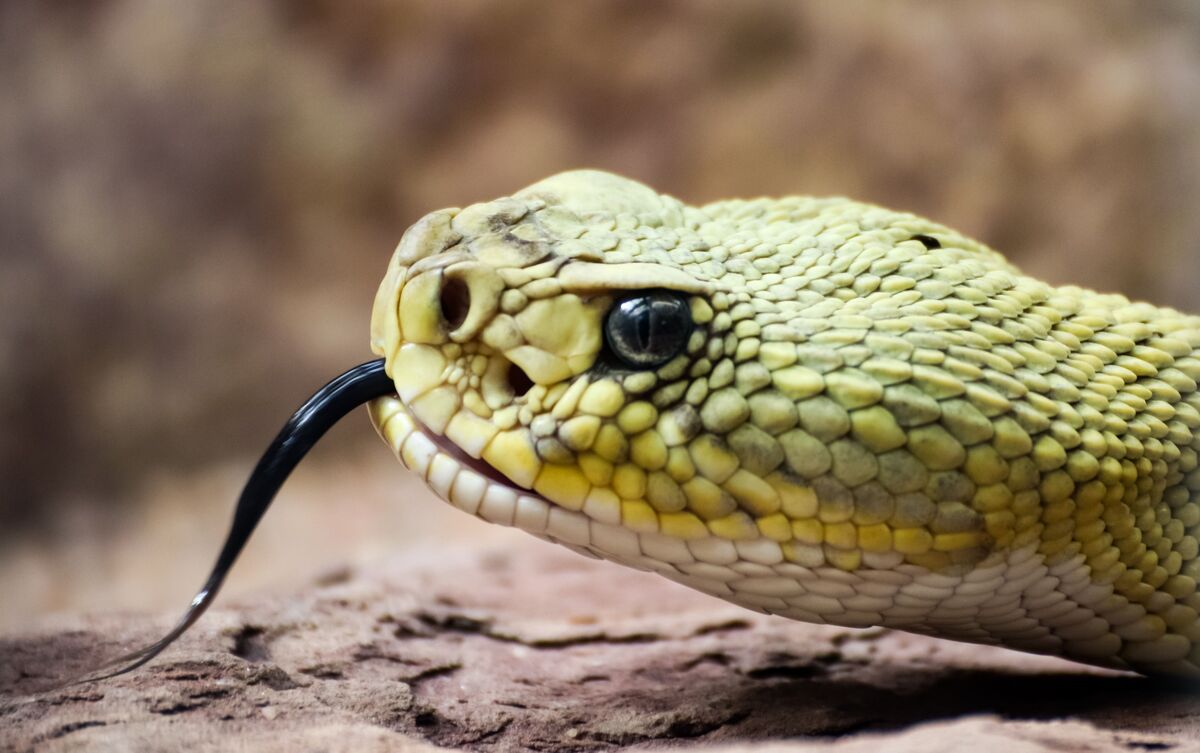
{"x": 307, "y": 425}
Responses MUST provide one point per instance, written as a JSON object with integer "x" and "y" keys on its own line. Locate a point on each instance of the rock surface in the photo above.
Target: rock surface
{"x": 537, "y": 649}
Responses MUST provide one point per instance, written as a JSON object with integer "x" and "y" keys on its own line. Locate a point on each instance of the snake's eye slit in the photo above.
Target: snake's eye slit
{"x": 928, "y": 241}
{"x": 647, "y": 329}
{"x": 455, "y": 301}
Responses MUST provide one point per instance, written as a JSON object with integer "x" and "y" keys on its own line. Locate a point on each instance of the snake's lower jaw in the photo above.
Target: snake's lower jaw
{"x": 478, "y": 489}
{"x": 752, "y": 573}
{"x": 706, "y": 564}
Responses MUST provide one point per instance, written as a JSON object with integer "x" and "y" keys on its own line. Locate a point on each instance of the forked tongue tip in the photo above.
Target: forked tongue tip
{"x": 306, "y": 426}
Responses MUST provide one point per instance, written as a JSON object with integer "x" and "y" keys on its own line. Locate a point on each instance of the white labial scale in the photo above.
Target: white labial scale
{"x": 945, "y": 611}
{"x": 1017, "y": 624}
{"x": 894, "y": 577}
{"x": 925, "y": 592}
{"x": 831, "y": 588}
{"x": 397, "y": 425}
{"x": 1042, "y": 602}
{"x": 1088, "y": 593}
{"x": 381, "y": 411}
{"x": 761, "y": 550}
{"x": 666, "y": 569}
{"x": 794, "y": 571}
{"x": 798, "y": 613}
{"x": 752, "y": 569}
{"x": 417, "y": 453}
{"x": 1021, "y": 578}
{"x": 995, "y": 610}
{"x": 967, "y": 601}
{"x": 769, "y": 586}
{"x": 879, "y": 590}
{"x": 858, "y": 619}
{"x": 904, "y": 599}
{"x": 614, "y": 541}
{"x": 833, "y": 575}
{"x": 948, "y": 626}
{"x": 1074, "y": 617}
{"x": 760, "y": 602}
{"x": 1020, "y": 629}
{"x": 1001, "y": 596}
{"x": 442, "y": 471}
{"x": 1023, "y": 561}
{"x": 912, "y": 571}
{"x": 532, "y": 513}
{"x": 940, "y": 581}
{"x": 568, "y": 526}
{"x": 988, "y": 571}
{"x": 982, "y": 587}
{"x": 882, "y": 560}
{"x": 499, "y": 505}
{"x": 636, "y": 563}
{"x": 714, "y": 587}
{"x": 713, "y": 550}
{"x": 709, "y": 571}
{"x": 1044, "y": 585}
{"x": 1052, "y": 614}
{"x": 1122, "y": 612}
{"x": 825, "y": 606}
{"x": 467, "y": 492}
{"x": 905, "y": 618}
{"x": 865, "y": 603}
{"x": 580, "y": 550}
{"x": 665, "y": 549}
{"x": 1063, "y": 569}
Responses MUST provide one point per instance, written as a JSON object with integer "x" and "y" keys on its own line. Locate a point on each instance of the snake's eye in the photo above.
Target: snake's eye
{"x": 646, "y": 330}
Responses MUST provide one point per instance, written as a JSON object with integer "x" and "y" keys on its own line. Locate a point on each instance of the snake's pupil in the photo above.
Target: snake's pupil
{"x": 646, "y": 330}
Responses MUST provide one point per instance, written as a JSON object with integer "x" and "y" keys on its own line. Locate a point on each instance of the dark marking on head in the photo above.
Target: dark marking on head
{"x": 928, "y": 241}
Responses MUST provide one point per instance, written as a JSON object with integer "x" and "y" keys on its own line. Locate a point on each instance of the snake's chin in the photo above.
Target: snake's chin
{"x": 473, "y": 486}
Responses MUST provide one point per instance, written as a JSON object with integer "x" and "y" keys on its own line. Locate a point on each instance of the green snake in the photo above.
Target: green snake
{"x": 810, "y": 407}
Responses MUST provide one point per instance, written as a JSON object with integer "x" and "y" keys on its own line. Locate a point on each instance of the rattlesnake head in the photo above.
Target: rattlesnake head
{"x": 816, "y": 408}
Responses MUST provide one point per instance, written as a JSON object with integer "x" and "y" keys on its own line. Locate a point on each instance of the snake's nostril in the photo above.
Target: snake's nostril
{"x": 455, "y": 301}
{"x": 518, "y": 380}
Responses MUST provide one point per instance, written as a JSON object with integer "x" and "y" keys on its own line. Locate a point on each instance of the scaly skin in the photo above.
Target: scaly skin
{"x": 876, "y": 421}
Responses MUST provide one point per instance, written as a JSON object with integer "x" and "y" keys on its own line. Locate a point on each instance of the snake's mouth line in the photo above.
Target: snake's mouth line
{"x": 475, "y": 487}
{"x": 1017, "y": 582}
{"x": 477, "y": 465}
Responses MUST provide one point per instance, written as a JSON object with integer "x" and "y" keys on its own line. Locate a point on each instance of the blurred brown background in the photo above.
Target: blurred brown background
{"x": 197, "y": 200}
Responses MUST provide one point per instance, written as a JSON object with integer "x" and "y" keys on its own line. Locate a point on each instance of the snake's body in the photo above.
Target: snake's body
{"x": 875, "y": 421}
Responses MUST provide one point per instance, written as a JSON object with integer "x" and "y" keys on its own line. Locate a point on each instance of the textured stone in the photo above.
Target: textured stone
{"x": 535, "y": 649}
